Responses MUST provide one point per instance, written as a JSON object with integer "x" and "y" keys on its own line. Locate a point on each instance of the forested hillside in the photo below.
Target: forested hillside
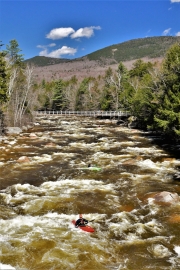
{"x": 149, "y": 91}
{"x": 42, "y": 61}
{"x": 151, "y": 47}
{"x": 148, "y": 49}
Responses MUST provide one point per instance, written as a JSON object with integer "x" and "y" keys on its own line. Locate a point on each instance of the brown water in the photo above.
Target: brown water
{"x": 40, "y": 197}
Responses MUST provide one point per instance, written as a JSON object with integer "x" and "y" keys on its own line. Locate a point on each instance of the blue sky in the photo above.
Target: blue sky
{"x": 71, "y": 29}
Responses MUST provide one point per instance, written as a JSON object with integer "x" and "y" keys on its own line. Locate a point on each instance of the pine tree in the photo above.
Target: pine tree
{"x": 12, "y": 52}
{"x": 4, "y": 77}
{"x": 143, "y": 82}
{"x": 59, "y": 102}
{"x": 167, "y": 117}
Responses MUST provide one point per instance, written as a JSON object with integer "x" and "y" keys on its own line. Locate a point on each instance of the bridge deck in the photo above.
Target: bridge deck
{"x": 86, "y": 113}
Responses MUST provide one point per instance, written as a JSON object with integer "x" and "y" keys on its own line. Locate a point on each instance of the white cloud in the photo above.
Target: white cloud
{"x": 166, "y": 32}
{"x": 178, "y": 34}
{"x": 41, "y": 46}
{"x": 59, "y": 52}
{"x": 52, "y": 45}
{"x": 43, "y": 53}
{"x": 175, "y": 1}
{"x": 46, "y": 46}
{"x": 59, "y": 33}
{"x": 85, "y": 32}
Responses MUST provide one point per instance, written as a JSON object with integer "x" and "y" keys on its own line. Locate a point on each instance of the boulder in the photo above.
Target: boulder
{"x": 13, "y": 130}
{"x": 32, "y": 135}
{"x": 30, "y": 126}
{"x": 163, "y": 198}
{"x": 166, "y": 197}
{"x": 132, "y": 122}
{"x": 50, "y": 145}
{"x": 23, "y": 159}
{"x": 24, "y": 128}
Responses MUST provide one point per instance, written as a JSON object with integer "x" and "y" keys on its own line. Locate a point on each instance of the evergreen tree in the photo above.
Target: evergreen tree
{"x": 4, "y": 76}
{"x": 83, "y": 101}
{"x": 167, "y": 118}
{"x": 143, "y": 101}
{"x": 59, "y": 101}
{"x": 12, "y": 52}
{"x": 106, "y": 101}
{"x": 140, "y": 68}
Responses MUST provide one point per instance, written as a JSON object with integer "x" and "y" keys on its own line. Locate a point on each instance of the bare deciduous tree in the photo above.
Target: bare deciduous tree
{"x": 21, "y": 94}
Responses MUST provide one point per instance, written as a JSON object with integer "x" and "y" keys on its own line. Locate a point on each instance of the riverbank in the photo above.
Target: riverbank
{"x": 169, "y": 145}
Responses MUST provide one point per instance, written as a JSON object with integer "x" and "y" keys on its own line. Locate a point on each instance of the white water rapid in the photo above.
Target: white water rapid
{"x": 133, "y": 199}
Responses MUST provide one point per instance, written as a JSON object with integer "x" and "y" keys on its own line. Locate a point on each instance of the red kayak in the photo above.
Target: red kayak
{"x": 85, "y": 228}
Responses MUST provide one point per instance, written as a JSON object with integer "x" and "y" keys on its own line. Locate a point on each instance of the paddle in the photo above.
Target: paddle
{"x": 92, "y": 220}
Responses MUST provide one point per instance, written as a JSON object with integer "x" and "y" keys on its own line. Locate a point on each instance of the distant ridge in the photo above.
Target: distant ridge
{"x": 150, "y": 47}
{"x": 42, "y": 61}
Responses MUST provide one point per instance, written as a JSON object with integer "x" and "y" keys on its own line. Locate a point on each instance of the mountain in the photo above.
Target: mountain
{"x": 150, "y": 49}
{"x": 42, "y": 61}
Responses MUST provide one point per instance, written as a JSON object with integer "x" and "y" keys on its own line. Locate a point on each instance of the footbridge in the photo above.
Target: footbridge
{"x": 98, "y": 114}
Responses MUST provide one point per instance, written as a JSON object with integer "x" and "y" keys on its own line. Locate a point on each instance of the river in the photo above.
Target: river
{"x": 44, "y": 186}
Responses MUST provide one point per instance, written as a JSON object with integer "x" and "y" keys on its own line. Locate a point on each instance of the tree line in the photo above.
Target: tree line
{"x": 150, "y": 92}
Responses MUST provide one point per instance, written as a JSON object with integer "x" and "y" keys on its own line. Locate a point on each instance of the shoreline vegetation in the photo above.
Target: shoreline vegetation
{"x": 149, "y": 91}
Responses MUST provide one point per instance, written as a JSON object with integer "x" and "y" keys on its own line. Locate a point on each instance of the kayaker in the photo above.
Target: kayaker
{"x": 81, "y": 221}
{"x": 91, "y": 166}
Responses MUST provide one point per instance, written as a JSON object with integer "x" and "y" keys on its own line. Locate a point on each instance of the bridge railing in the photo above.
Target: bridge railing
{"x": 85, "y": 113}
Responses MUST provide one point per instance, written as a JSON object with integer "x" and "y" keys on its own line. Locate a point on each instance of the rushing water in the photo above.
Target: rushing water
{"x": 43, "y": 187}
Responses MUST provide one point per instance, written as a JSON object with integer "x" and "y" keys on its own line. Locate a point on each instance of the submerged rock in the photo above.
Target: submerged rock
{"x": 6, "y": 213}
{"x": 132, "y": 161}
{"x": 174, "y": 218}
